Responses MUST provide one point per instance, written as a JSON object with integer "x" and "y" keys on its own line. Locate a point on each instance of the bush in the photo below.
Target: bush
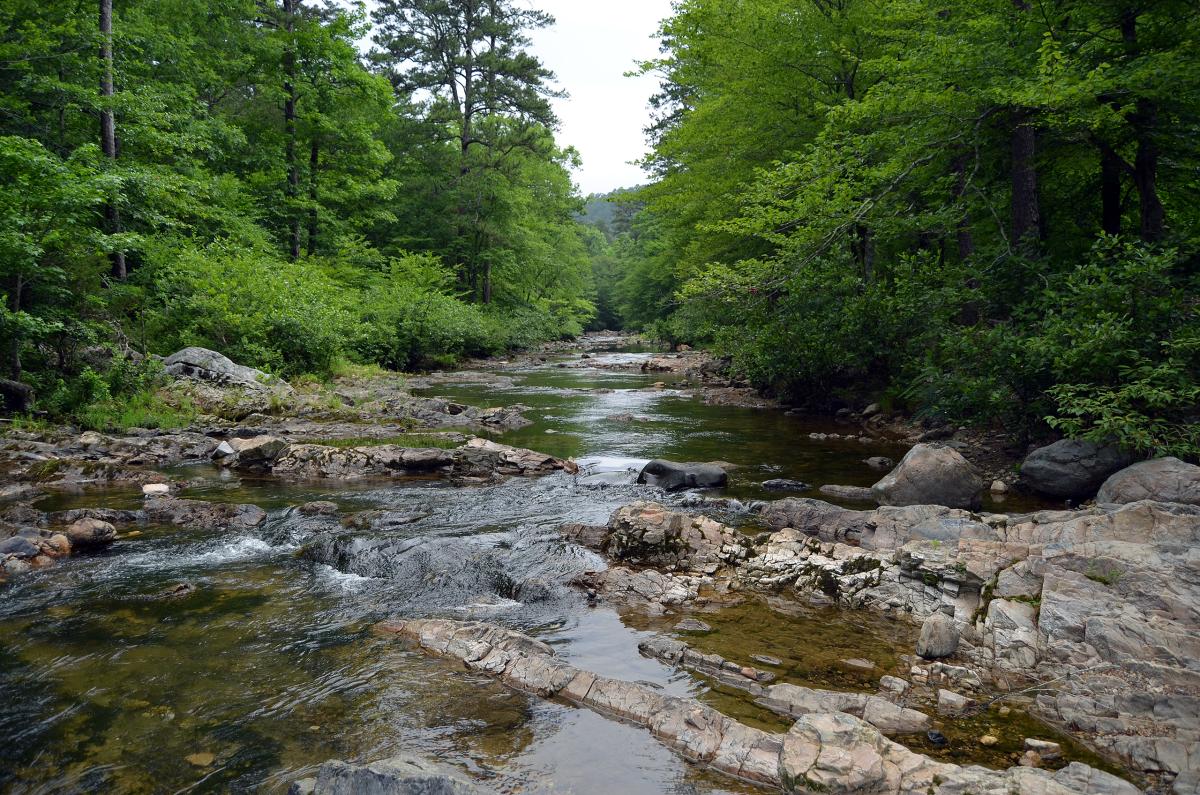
{"x": 283, "y": 317}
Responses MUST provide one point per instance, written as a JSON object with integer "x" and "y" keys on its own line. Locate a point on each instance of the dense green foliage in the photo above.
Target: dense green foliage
{"x": 986, "y": 210}
{"x": 275, "y": 194}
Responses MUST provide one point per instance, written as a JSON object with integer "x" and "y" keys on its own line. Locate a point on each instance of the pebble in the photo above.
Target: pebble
{"x": 155, "y": 489}
{"x": 857, "y": 664}
{"x": 989, "y": 739}
{"x": 202, "y": 759}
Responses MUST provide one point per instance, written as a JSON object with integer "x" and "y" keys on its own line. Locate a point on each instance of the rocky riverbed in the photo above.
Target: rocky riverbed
{"x": 386, "y": 573}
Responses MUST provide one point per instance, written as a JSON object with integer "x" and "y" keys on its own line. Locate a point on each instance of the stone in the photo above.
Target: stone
{"x": 999, "y": 487}
{"x": 880, "y": 462}
{"x": 893, "y": 684}
{"x": 857, "y": 664}
{"x": 931, "y": 475}
{"x": 951, "y": 703}
{"x": 1045, "y": 748}
{"x": 259, "y": 451}
{"x": 1161, "y": 479}
{"x": 938, "y": 638}
{"x": 849, "y": 493}
{"x": 202, "y": 759}
{"x": 91, "y": 533}
{"x": 401, "y": 775}
{"x": 793, "y": 701}
{"x": 784, "y": 484}
{"x": 319, "y": 508}
{"x": 155, "y": 489}
{"x": 673, "y": 476}
{"x": 224, "y": 450}
{"x": 989, "y": 740}
{"x": 692, "y": 625}
{"x": 1071, "y": 469}
{"x": 202, "y": 514}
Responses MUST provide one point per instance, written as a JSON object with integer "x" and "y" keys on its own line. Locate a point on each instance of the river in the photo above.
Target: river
{"x": 271, "y": 665}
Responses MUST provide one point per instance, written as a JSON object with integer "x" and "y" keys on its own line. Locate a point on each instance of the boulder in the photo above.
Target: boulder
{"x": 938, "y": 638}
{"x": 401, "y": 775}
{"x": 15, "y": 396}
{"x": 674, "y": 476}
{"x": 201, "y": 364}
{"x": 260, "y": 451}
{"x": 931, "y": 475}
{"x": 91, "y": 533}
{"x": 880, "y": 462}
{"x": 1161, "y": 479}
{"x": 1071, "y": 469}
{"x": 18, "y": 547}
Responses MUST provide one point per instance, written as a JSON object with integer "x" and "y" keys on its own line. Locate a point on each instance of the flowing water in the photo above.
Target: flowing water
{"x": 271, "y": 666}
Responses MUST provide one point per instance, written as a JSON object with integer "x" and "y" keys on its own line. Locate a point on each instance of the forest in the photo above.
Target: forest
{"x": 985, "y": 211}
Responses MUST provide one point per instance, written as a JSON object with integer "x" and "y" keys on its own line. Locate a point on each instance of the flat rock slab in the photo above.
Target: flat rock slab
{"x": 827, "y": 752}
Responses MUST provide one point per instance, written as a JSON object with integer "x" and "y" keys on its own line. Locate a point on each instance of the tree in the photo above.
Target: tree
{"x": 470, "y": 58}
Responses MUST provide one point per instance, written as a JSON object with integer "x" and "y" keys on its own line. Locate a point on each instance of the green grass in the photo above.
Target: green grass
{"x": 141, "y": 410}
{"x": 344, "y": 369}
{"x": 421, "y": 440}
{"x": 27, "y": 422}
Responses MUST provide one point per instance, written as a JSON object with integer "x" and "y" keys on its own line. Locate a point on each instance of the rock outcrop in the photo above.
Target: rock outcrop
{"x": 202, "y": 364}
{"x": 931, "y": 474}
{"x": 1102, "y": 600}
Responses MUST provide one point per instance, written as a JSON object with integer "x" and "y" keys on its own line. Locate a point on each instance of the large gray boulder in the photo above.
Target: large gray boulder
{"x": 201, "y": 364}
{"x": 1161, "y": 480}
{"x": 938, "y": 638}
{"x": 931, "y": 474}
{"x": 1071, "y": 469}
{"x": 402, "y": 775}
{"x": 674, "y": 476}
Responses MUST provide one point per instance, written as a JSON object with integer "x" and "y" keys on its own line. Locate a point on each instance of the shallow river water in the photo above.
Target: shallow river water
{"x": 271, "y": 665}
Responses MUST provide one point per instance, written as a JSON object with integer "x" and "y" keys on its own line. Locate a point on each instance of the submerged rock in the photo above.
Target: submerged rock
{"x": 851, "y": 493}
{"x": 1162, "y": 479}
{"x": 784, "y": 484}
{"x": 931, "y": 474}
{"x": 401, "y": 775}
{"x": 1071, "y": 469}
{"x": 673, "y": 476}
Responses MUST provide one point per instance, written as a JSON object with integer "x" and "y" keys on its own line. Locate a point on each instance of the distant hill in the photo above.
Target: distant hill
{"x": 600, "y": 210}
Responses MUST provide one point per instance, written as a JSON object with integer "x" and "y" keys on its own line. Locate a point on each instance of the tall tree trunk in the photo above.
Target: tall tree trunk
{"x": 108, "y": 130}
{"x": 1026, "y": 211}
{"x": 965, "y": 239}
{"x": 1145, "y": 165}
{"x": 289, "y": 123}
{"x": 14, "y": 343}
{"x": 1110, "y": 191}
{"x": 863, "y": 247}
{"x": 1145, "y": 175}
{"x": 314, "y": 163}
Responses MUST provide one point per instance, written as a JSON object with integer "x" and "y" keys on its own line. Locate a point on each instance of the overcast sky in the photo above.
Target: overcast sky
{"x": 590, "y": 48}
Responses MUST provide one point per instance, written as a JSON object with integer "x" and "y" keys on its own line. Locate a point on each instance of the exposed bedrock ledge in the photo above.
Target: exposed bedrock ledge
{"x": 822, "y": 753}
{"x": 1101, "y": 601}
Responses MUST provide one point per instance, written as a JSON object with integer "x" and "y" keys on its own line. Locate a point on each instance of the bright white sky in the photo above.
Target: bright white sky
{"x": 592, "y": 46}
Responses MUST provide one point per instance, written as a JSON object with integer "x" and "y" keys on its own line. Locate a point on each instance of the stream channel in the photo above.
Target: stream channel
{"x": 271, "y": 666}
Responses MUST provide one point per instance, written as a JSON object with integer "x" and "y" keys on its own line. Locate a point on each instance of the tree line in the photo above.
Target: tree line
{"x": 980, "y": 210}
{"x": 294, "y": 183}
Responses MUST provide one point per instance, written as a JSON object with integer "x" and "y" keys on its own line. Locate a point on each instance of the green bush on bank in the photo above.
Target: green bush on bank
{"x": 1106, "y": 348}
